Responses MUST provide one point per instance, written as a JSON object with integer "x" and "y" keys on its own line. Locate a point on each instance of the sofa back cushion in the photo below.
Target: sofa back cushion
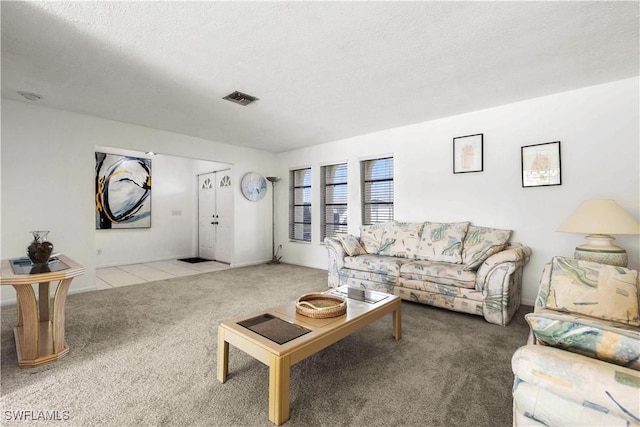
{"x": 401, "y": 239}
{"x": 442, "y": 241}
{"x": 482, "y": 242}
{"x": 371, "y": 237}
{"x": 593, "y": 289}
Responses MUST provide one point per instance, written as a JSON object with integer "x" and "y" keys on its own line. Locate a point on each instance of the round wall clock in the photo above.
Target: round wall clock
{"x": 253, "y": 186}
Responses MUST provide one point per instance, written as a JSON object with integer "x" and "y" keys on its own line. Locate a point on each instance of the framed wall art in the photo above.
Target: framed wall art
{"x": 467, "y": 153}
{"x": 541, "y": 165}
{"x": 123, "y": 191}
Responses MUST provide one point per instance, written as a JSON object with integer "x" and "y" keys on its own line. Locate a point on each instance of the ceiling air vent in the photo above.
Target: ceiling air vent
{"x": 240, "y": 98}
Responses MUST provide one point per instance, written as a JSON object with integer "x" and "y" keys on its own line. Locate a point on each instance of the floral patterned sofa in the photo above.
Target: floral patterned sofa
{"x": 582, "y": 364}
{"x": 456, "y": 266}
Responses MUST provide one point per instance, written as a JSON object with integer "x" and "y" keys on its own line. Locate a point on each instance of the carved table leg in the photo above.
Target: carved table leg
{"x": 59, "y": 302}
{"x": 28, "y": 321}
{"x": 43, "y": 301}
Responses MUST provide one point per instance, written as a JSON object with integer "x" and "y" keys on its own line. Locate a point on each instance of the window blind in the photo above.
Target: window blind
{"x": 377, "y": 190}
{"x": 333, "y": 200}
{"x": 300, "y": 205}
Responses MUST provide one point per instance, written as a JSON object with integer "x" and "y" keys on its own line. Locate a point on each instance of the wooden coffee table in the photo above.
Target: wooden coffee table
{"x": 323, "y": 332}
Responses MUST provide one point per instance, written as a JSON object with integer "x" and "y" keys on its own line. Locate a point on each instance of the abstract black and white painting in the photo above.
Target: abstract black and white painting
{"x": 123, "y": 191}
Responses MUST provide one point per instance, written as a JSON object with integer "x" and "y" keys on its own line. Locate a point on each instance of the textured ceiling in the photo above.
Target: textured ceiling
{"x": 323, "y": 70}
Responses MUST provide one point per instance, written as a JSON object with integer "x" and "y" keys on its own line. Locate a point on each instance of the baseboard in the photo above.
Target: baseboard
{"x": 304, "y": 265}
{"x": 524, "y": 301}
{"x": 247, "y": 264}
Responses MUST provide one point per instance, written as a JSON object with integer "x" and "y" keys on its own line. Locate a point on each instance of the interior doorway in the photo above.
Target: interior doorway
{"x": 215, "y": 216}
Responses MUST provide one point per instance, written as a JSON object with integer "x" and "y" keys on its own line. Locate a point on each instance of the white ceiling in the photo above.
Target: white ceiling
{"x": 323, "y": 70}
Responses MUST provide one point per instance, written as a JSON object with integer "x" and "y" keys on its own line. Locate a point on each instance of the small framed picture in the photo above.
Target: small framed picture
{"x": 467, "y": 153}
{"x": 541, "y": 165}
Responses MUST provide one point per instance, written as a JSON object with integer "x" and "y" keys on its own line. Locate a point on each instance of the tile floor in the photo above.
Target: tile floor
{"x": 113, "y": 277}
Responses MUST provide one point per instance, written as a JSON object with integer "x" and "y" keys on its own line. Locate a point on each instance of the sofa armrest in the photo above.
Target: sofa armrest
{"x": 499, "y": 279}
{"x": 515, "y": 253}
{"x": 336, "y": 254}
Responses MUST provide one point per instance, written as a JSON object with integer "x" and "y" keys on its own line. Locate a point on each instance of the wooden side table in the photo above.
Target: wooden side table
{"x": 39, "y": 335}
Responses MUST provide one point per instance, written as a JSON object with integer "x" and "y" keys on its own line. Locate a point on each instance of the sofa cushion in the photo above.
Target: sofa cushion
{"x": 440, "y": 299}
{"x": 442, "y": 241}
{"x": 351, "y": 244}
{"x": 593, "y": 289}
{"x": 371, "y": 237}
{"x": 368, "y": 276}
{"x": 590, "y": 337}
{"x": 401, "y": 239}
{"x": 439, "y": 272}
{"x": 439, "y": 288}
{"x": 375, "y": 263}
{"x": 482, "y": 242}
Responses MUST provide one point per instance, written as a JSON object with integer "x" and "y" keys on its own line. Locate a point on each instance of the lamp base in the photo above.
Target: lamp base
{"x": 599, "y": 248}
{"x": 274, "y": 260}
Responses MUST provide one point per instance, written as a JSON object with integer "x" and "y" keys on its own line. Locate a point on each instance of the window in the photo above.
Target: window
{"x": 377, "y": 190}
{"x": 300, "y": 205}
{"x": 334, "y": 200}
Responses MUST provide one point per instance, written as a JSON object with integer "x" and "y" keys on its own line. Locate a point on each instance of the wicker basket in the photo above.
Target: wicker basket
{"x": 318, "y": 305}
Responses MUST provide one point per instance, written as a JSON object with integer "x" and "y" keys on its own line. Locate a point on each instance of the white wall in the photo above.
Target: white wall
{"x": 48, "y": 166}
{"x": 174, "y": 215}
{"x": 599, "y": 132}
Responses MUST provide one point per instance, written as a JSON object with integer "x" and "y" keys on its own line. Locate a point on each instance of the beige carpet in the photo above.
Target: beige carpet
{"x": 146, "y": 355}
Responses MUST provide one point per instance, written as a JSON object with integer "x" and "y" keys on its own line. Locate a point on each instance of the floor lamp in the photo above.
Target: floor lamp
{"x": 274, "y": 259}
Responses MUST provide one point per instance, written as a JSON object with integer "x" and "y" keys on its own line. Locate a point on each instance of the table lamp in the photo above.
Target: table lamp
{"x": 599, "y": 218}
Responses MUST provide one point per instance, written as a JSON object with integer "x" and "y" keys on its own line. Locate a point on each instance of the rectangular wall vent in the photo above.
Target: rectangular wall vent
{"x": 240, "y": 98}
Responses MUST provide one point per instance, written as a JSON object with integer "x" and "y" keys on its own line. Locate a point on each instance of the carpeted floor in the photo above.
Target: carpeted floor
{"x": 146, "y": 355}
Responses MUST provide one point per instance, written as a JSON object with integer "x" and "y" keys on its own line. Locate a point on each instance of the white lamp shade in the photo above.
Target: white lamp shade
{"x": 600, "y": 216}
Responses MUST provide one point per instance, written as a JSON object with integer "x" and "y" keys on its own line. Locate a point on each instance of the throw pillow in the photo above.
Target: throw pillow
{"x": 597, "y": 290}
{"x": 442, "y": 241}
{"x": 401, "y": 239}
{"x": 482, "y": 242}
{"x": 594, "y": 338}
{"x": 371, "y": 237}
{"x": 351, "y": 244}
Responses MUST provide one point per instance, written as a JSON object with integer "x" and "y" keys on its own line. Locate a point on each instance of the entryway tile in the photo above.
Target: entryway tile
{"x": 209, "y": 266}
{"x": 147, "y": 273}
{"x": 175, "y": 267}
{"x": 125, "y": 275}
{"x": 101, "y": 284}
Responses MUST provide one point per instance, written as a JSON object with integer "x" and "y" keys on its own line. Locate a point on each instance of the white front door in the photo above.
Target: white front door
{"x": 224, "y": 216}
{"x": 207, "y": 216}
{"x": 215, "y": 216}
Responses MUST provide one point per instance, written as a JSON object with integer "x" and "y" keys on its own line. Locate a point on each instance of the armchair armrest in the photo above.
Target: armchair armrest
{"x": 543, "y": 289}
{"x": 499, "y": 278}
{"x": 603, "y": 393}
{"x": 336, "y": 254}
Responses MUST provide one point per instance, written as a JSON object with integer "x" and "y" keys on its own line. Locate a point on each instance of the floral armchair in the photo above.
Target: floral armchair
{"x": 582, "y": 363}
